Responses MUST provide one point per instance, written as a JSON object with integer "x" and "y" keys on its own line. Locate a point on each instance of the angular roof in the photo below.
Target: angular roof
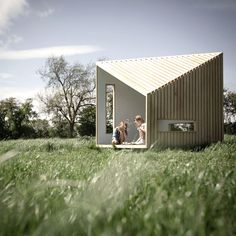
{"x": 148, "y": 74}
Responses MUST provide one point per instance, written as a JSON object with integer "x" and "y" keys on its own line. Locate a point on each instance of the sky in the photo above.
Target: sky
{"x": 85, "y": 31}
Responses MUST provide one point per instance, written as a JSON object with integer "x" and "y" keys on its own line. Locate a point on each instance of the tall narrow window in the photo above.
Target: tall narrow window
{"x": 109, "y": 108}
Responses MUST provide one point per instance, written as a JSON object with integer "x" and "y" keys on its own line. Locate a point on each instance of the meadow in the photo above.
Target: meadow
{"x": 71, "y": 187}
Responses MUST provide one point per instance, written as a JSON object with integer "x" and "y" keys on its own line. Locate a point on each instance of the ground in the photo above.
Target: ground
{"x": 70, "y": 187}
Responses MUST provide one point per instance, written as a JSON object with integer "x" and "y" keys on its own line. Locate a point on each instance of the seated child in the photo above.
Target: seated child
{"x": 141, "y": 127}
{"x": 120, "y": 133}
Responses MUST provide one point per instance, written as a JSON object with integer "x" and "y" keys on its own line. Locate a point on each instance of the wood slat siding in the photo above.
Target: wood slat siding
{"x": 148, "y": 120}
{"x": 197, "y": 96}
{"x": 222, "y": 98}
{"x": 204, "y": 104}
{"x": 155, "y": 115}
{"x": 214, "y": 97}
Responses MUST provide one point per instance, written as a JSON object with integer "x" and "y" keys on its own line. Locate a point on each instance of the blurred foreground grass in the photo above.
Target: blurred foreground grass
{"x": 70, "y": 187}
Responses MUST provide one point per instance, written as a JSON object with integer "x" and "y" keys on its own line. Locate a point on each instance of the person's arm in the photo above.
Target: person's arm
{"x": 143, "y": 128}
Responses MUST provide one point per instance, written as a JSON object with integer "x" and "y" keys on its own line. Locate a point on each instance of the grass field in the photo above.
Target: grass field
{"x": 69, "y": 187}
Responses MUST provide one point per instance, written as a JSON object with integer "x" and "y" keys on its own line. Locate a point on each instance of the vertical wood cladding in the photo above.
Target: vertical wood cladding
{"x": 195, "y": 96}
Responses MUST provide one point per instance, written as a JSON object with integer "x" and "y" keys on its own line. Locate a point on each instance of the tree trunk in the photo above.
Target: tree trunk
{"x": 72, "y": 129}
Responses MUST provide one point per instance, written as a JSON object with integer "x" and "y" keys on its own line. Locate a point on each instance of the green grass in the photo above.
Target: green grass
{"x": 70, "y": 187}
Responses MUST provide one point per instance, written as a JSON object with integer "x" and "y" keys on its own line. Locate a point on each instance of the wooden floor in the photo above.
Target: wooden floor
{"x": 130, "y": 146}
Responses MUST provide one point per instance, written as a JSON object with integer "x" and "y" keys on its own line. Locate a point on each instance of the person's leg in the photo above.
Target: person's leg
{"x": 140, "y": 141}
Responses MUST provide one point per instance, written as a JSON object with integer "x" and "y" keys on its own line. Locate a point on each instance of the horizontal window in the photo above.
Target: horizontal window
{"x": 176, "y": 125}
{"x": 182, "y": 127}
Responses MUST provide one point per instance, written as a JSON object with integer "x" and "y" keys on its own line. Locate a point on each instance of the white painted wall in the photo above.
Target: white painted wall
{"x": 128, "y": 103}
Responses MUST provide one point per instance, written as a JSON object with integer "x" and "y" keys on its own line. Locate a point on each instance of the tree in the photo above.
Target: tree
{"x": 3, "y": 126}
{"x": 87, "y": 121}
{"x": 15, "y": 118}
{"x": 41, "y": 128}
{"x": 229, "y": 105}
{"x": 60, "y": 127}
{"x": 229, "y": 112}
{"x": 69, "y": 89}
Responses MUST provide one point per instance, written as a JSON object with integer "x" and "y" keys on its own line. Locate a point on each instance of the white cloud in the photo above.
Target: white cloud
{"x": 46, "y": 13}
{"x": 5, "y": 76}
{"x": 10, "y": 9}
{"x": 47, "y": 52}
{"x": 9, "y": 40}
{"x": 18, "y": 92}
{"x": 21, "y": 94}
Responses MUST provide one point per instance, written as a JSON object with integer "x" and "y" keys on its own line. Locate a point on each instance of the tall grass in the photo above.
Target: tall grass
{"x": 70, "y": 187}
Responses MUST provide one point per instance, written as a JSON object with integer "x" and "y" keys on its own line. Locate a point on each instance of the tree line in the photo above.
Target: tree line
{"x": 19, "y": 120}
{"x": 69, "y": 101}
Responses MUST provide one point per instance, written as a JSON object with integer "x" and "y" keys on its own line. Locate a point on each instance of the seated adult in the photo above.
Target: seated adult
{"x": 120, "y": 133}
{"x": 141, "y": 127}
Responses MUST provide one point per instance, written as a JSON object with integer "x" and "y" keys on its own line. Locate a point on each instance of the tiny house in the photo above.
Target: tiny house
{"x": 180, "y": 98}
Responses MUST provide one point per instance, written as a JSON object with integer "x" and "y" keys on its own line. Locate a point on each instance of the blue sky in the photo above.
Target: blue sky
{"x": 84, "y": 31}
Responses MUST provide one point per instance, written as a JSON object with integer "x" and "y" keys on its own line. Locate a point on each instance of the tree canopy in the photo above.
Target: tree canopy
{"x": 87, "y": 121}
{"x": 229, "y": 105}
{"x": 69, "y": 89}
{"x": 15, "y": 118}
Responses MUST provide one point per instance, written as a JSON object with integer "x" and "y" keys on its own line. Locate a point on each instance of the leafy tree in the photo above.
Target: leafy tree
{"x": 87, "y": 121}
{"x": 60, "y": 127}
{"x": 15, "y": 118}
{"x": 3, "y": 126}
{"x": 41, "y": 128}
{"x": 229, "y": 112}
{"x": 229, "y": 105}
{"x": 69, "y": 89}
{"x": 230, "y": 128}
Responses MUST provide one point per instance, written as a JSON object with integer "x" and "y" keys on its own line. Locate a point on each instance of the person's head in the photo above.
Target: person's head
{"x": 123, "y": 126}
{"x": 138, "y": 120}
